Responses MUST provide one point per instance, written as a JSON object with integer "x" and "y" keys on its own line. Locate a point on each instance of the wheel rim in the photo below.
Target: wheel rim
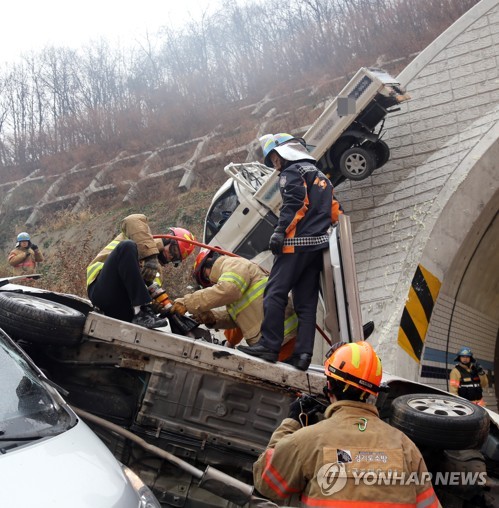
{"x": 440, "y": 407}
{"x": 356, "y": 164}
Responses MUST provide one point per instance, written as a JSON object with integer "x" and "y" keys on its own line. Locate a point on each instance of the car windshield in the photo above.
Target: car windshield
{"x": 219, "y": 212}
{"x": 28, "y": 410}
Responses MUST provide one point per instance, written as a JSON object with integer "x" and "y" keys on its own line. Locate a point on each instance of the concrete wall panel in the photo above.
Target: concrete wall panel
{"x": 442, "y": 144}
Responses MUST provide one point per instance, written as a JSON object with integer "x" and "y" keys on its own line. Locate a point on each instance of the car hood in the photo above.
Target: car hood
{"x": 72, "y": 469}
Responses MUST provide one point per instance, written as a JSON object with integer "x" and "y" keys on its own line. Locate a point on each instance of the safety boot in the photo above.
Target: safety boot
{"x": 148, "y": 319}
{"x": 300, "y": 361}
{"x": 260, "y": 352}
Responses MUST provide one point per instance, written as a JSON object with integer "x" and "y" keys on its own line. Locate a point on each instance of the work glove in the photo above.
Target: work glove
{"x": 480, "y": 370}
{"x": 149, "y": 269}
{"x": 207, "y": 318}
{"x": 179, "y": 307}
{"x": 34, "y": 246}
{"x": 305, "y": 410}
{"x": 276, "y": 242}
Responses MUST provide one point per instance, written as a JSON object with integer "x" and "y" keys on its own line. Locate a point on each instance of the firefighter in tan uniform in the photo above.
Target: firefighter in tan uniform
{"x": 25, "y": 256}
{"x": 323, "y": 463}
{"x": 232, "y": 299}
{"x": 118, "y": 277}
{"x": 468, "y": 378}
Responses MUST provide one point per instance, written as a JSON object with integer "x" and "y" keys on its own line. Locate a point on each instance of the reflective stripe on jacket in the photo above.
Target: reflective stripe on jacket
{"x": 466, "y": 382}
{"x": 351, "y": 439}
{"x": 469, "y": 386}
{"x": 238, "y": 288}
{"x": 133, "y": 227}
{"x": 250, "y": 294}
{"x": 95, "y": 267}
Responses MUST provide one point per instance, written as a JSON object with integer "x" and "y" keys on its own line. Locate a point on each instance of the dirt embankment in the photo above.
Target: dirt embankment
{"x": 69, "y": 242}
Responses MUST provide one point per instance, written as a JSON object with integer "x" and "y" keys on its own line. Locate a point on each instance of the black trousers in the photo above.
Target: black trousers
{"x": 300, "y": 274}
{"x": 119, "y": 286}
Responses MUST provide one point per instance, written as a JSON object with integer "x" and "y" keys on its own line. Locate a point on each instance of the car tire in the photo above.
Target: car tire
{"x": 357, "y": 163}
{"x": 107, "y": 402}
{"x": 40, "y": 321}
{"x": 440, "y": 421}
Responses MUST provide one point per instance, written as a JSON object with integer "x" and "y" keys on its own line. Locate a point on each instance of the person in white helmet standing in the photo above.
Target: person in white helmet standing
{"x": 25, "y": 256}
{"x": 308, "y": 209}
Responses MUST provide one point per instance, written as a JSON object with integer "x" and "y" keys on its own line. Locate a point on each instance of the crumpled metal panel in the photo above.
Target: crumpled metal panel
{"x": 211, "y": 406}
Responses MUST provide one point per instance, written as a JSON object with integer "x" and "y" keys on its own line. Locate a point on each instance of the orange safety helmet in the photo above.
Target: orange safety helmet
{"x": 199, "y": 264}
{"x": 185, "y": 248}
{"x": 355, "y": 364}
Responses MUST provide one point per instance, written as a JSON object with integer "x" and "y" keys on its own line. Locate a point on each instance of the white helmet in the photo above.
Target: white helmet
{"x": 287, "y": 146}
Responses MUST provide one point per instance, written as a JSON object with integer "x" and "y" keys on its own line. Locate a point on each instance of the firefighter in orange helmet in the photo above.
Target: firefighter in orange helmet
{"x": 232, "y": 299}
{"x": 323, "y": 461}
{"x": 118, "y": 277}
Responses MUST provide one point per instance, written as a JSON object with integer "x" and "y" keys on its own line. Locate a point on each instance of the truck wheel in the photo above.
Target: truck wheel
{"x": 357, "y": 163}
{"x": 33, "y": 319}
{"x": 381, "y": 153}
{"x": 440, "y": 421}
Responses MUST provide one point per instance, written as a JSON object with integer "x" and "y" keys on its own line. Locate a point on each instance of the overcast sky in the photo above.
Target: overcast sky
{"x": 33, "y": 24}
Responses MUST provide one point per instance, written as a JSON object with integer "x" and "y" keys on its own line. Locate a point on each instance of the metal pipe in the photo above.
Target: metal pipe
{"x": 211, "y": 479}
{"x": 193, "y": 471}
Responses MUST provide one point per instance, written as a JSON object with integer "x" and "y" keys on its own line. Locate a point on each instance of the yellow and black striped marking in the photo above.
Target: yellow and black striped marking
{"x": 417, "y": 312}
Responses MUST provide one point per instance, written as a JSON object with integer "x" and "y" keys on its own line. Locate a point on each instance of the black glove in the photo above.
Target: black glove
{"x": 34, "y": 246}
{"x": 305, "y": 410}
{"x": 479, "y": 369}
{"x": 150, "y": 269}
{"x": 276, "y": 242}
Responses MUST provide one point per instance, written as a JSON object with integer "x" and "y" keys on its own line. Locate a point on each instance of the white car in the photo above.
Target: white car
{"x": 49, "y": 458}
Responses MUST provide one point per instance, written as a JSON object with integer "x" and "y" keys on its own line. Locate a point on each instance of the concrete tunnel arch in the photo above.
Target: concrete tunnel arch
{"x": 424, "y": 226}
{"x": 461, "y": 253}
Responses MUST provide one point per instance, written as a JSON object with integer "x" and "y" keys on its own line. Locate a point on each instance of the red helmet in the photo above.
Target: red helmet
{"x": 197, "y": 272}
{"x": 184, "y": 248}
{"x": 355, "y": 364}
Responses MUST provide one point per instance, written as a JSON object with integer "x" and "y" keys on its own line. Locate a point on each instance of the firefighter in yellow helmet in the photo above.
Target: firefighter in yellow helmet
{"x": 322, "y": 460}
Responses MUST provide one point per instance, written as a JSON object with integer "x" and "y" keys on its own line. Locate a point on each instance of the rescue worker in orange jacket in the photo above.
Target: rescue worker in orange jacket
{"x": 118, "y": 277}
{"x": 25, "y": 256}
{"x": 232, "y": 299}
{"x": 323, "y": 463}
{"x": 308, "y": 209}
{"x": 467, "y": 378}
